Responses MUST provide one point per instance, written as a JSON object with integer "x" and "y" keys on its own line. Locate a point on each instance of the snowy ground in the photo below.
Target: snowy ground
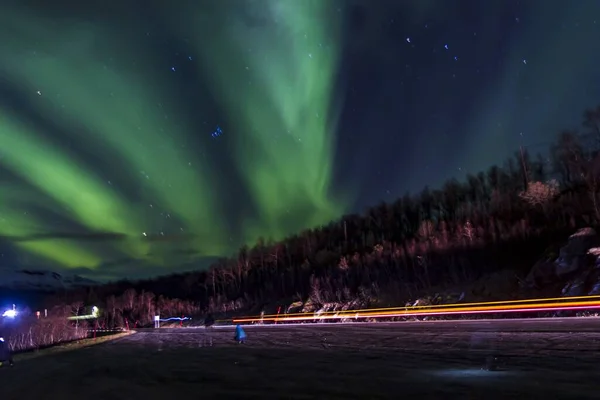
{"x": 437, "y": 360}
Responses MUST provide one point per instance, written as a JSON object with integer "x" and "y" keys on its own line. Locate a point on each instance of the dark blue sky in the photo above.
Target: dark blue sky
{"x": 513, "y": 73}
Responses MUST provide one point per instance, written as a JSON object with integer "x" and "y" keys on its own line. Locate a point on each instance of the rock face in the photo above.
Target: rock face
{"x": 575, "y": 287}
{"x": 574, "y": 255}
{"x": 542, "y": 273}
{"x": 577, "y": 267}
{"x": 495, "y": 286}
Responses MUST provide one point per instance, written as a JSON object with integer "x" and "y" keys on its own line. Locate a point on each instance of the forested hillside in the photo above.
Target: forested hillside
{"x": 505, "y": 217}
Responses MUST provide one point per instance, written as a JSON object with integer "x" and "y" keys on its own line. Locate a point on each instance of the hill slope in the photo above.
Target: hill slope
{"x": 39, "y": 280}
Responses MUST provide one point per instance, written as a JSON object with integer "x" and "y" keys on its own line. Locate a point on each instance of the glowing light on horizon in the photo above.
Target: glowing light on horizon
{"x": 10, "y": 313}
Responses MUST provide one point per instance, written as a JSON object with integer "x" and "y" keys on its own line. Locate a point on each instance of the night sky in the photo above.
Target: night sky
{"x": 140, "y": 138}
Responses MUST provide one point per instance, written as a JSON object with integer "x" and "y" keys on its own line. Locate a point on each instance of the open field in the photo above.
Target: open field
{"x": 554, "y": 359}
{"x": 69, "y": 346}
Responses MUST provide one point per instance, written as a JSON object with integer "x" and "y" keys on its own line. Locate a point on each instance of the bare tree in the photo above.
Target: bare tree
{"x": 469, "y": 231}
{"x": 426, "y": 230}
{"x": 540, "y": 193}
{"x": 75, "y": 309}
{"x": 129, "y": 299}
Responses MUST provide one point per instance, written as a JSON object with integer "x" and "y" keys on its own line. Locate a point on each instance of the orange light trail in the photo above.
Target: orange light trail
{"x": 549, "y": 304}
{"x": 561, "y": 299}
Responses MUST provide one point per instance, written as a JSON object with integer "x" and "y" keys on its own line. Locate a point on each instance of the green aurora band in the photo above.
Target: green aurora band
{"x": 274, "y": 82}
{"x": 277, "y": 83}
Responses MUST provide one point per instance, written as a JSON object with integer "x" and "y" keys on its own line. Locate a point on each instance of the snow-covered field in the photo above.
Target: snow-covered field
{"x": 366, "y": 361}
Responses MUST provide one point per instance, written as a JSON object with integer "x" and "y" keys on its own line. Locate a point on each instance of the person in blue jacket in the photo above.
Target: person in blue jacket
{"x": 5, "y": 353}
{"x": 240, "y": 334}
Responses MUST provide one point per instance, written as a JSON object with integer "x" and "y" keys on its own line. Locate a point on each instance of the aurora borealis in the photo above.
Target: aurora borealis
{"x": 277, "y": 83}
{"x": 108, "y": 163}
{"x": 100, "y": 142}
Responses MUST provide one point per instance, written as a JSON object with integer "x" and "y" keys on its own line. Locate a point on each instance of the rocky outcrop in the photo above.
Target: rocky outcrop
{"x": 495, "y": 286}
{"x": 575, "y": 287}
{"x": 595, "y": 272}
{"x": 574, "y": 255}
{"x": 542, "y": 273}
{"x": 576, "y": 269}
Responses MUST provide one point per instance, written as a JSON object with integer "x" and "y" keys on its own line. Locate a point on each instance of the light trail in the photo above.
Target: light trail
{"x": 435, "y": 306}
{"x": 175, "y": 319}
{"x": 596, "y": 306}
{"x": 464, "y": 309}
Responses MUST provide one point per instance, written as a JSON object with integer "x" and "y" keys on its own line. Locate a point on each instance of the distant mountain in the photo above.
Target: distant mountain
{"x": 39, "y": 280}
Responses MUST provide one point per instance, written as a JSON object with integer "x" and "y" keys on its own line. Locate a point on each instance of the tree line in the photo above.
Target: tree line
{"x": 505, "y": 216}
{"x": 129, "y": 309}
